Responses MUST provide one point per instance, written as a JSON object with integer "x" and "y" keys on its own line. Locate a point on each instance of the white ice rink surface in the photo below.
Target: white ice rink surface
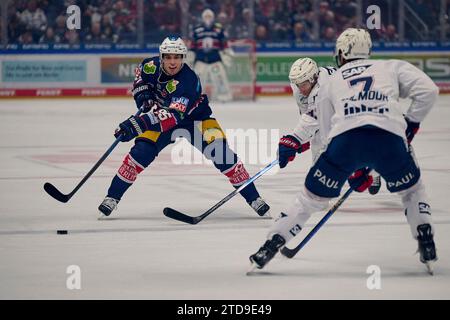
{"x": 141, "y": 254}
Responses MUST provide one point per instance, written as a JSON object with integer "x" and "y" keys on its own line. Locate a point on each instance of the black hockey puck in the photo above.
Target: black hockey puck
{"x": 61, "y": 231}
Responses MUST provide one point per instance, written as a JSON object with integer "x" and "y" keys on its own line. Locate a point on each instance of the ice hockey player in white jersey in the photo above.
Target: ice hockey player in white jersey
{"x": 363, "y": 126}
{"x": 212, "y": 54}
{"x": 306, "y": 78}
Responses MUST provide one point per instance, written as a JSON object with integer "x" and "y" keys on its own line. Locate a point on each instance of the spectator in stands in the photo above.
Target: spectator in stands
{"x": 345, "y": 12}
{"x": 26, "y": 38}
{"x": 299, "y": 33}
{"x": 222, "y": 18}
{"x": 329, "y": 34}
{"x": 242, "y": 30}
{"x": 49, "y": 37}
{"x": 170, "y": 19}
{"x": 266, "y": 7}
{"x": 228, "y": 7}
{"x": 108, "y": 29}
{"x": 390, "y": 33}
{"x": 301, "y": 11}
{"x": 15, "y": 26}
{"x": 122, "y": 14}
{"x": 95, "y": 35}
{"x": 279, "y": 21}
{"x": 196, "y": 8}
{"x": 71, "y": 37}
{"x": 261, "y": 33}
{"x": 60, "y": 27}
{"x": 326, "y": 17}
{"x": 34, "y": 20}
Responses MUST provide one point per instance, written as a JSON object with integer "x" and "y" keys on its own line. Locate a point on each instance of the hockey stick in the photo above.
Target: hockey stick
{"x": 289, "y": 253}
{"x": 58, "y": 195}
{"x": 177, "y": 215}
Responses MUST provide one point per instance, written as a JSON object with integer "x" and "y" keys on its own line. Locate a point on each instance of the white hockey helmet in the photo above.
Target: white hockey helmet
{"x": 352, "y": 44}
{"x": 303, "y": 69}
{"x": 173, "y": 45}
{"x": 208, "y": 17}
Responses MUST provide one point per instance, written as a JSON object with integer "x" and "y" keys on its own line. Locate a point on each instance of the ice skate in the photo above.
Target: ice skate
{"x": 260, "y": 207}
{"x": 427, "y": 249}
{"x": 267, "y": 251}
{"x": 106, "y": 207}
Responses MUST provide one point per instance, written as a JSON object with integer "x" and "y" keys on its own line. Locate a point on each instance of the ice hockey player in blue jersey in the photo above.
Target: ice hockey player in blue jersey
{"x": 171, "y": 95}
{"x": 211, "y": 50}
{"x": 363, "y": 126}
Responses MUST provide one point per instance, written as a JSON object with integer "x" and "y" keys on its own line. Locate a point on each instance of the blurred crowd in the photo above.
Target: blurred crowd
{"x": 116, "y": 21}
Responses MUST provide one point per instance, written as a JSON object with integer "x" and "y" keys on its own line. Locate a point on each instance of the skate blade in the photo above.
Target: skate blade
{"x": 102, "y": 217}
{"x": 252, "y": 269}
{"x": 429, "y": 266}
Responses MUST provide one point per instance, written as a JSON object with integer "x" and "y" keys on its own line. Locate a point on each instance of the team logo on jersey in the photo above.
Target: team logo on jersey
{"x": 354, "y": 71}
{"x": 171, "y": 86}
{"x": 149, "y": 68}
{"x": 350, "y": 109}
{"x": 179, "y": 104}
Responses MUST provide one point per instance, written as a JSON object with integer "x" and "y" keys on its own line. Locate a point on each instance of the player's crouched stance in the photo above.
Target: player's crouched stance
{"x": 170, "y": 94}
{"x": 363, "y": 127}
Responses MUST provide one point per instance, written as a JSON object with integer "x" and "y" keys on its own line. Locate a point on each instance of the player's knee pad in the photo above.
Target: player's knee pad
{"x": 237, "y": 174}
{"x": 325, "y": 179}
{"x": 404, "y": 178}
{"x": 417, "y": 208}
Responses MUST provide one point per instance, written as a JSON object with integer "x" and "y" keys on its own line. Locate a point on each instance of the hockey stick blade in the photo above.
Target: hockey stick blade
{"x": 174, "y": 214}
{"x": 290, "y": 253}
{"x": 55, "y": 193}
{"x": 177, "y": 215}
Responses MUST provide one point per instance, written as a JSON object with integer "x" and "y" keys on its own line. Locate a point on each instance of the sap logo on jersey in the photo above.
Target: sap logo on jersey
{"x": 327, "y": 182}
{"x": 179, "y": 103}
{"x": 406, "y": 179}
{"x": 354, "y": 71}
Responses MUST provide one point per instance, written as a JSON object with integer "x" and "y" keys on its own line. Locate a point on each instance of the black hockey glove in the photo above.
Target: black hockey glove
{"x": 143, "y": 97}
{"x": 131, "y": 128}
{"x": 411, "y": 129}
